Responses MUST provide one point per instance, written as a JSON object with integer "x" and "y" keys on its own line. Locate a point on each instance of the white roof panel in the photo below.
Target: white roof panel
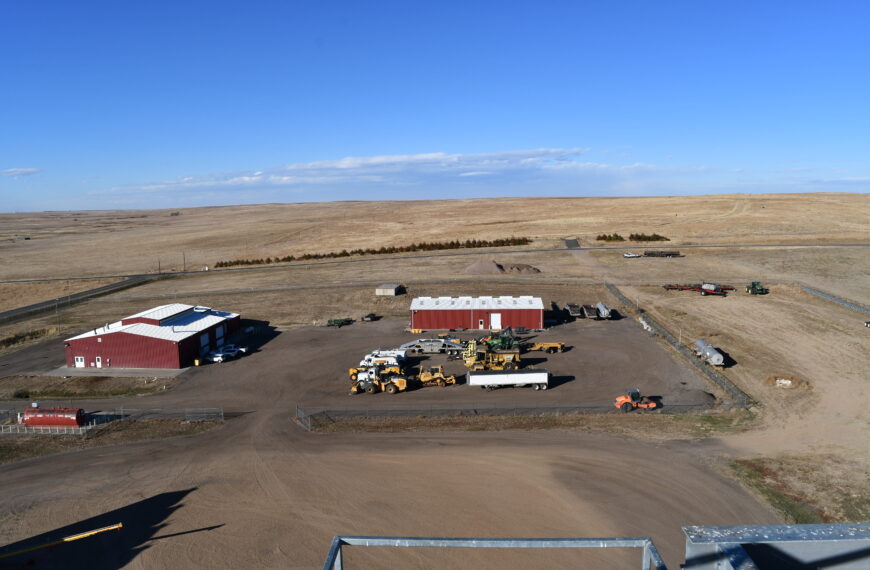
{"x": 162, "y": 311}
{"x": 175, "y": 329}
{"x": 468, "y": 303}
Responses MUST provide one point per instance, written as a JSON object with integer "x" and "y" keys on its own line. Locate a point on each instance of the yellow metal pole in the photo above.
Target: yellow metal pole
{"x": 63, "y": 540}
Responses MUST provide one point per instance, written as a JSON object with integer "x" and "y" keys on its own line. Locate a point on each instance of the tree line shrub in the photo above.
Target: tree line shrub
{"x": 644, "y": 237}
{"x": 422, "y": 246}
{"x": 17, "y": 338}
{"x": 610, "y": 237}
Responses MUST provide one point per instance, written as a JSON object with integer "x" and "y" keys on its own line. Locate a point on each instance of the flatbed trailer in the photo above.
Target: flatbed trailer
{"x": 702, "y": 288}
{"x": 548, "y": 347}
{"x": 662, "y": 253}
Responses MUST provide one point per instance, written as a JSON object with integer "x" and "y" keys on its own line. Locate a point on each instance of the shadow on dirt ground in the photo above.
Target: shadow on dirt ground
{"x": 727, "y": 360}
{"x": 556, "y": 381}
{"x": 142, "y": 522}
{"x": 254, "y": 334}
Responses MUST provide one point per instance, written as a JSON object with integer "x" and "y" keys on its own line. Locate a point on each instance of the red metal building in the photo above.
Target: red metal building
{"x": 437, "y": 313}
{"x": 169, "y": 336}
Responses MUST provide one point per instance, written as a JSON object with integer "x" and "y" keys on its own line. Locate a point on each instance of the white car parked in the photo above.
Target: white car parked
{"x": 226, "y": 352}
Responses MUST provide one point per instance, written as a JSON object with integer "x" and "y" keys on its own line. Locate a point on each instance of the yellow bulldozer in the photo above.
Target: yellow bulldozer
{"x": 479, "y": 356}
{"x": 434, "y": 376}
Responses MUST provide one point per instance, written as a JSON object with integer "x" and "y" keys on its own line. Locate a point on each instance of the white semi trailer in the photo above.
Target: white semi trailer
{"x": 492, "y": 379}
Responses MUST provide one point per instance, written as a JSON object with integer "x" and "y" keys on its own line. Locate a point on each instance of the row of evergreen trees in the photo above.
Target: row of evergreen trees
{"x": 644, "y": 237}
{"x": 610, "y": 237}
{"x": 422, "y": 246}
{"x": 633, "y": 237}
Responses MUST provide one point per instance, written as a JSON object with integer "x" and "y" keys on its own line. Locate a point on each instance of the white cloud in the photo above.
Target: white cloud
{"x": 848, "y": 179}
{"x": 400, "y": 169}
{"x": 15, "y": 172}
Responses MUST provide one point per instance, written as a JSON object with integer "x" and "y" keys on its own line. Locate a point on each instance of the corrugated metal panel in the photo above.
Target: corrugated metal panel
{"x": 470, "y": 319}
{"x": 124, "y": 350}
{"x": 441, "y": 319}
{"x": 162, "y": 312}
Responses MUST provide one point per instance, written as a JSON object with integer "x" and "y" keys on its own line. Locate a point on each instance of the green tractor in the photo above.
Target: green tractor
{"x": 502, "y": 340}
{"x": 755, "y": 288}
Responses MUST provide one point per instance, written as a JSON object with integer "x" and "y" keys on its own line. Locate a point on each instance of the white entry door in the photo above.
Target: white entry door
{"x": 495, "y": 321}
{"x": 99, "y": 362}
{"x": 80, "y": 361}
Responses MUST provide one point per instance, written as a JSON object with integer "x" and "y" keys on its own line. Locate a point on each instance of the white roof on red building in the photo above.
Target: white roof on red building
{"x": 470, "y": 303}
{"x": 163, "y": 311}
{"x": 176, "y": 329}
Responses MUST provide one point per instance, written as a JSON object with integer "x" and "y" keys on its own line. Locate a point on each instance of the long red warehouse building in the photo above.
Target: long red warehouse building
{"x": 437, "y": 313}
{"x": 169, "y": 336}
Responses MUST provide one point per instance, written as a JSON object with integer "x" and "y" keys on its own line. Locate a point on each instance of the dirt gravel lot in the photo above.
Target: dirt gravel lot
{"x": 605, "y": 358}
{"x": 260, "y": 492}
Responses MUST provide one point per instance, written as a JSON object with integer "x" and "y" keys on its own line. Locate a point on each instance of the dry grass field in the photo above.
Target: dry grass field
{"x": 802, "y": 445}
{"x": 14, "y": 295}
{"x": 93, "y": 243}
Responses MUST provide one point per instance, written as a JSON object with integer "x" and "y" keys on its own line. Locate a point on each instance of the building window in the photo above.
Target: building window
{"x": 99, "y": 339}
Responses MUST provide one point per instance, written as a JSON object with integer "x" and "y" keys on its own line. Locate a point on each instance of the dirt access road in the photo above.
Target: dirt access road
{"x": 260, "y": 492}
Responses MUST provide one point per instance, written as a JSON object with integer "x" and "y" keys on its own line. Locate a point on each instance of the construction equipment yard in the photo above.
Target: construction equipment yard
{"x": 263, "y": 490}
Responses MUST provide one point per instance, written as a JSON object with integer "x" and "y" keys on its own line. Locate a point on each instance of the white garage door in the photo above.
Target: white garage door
{"x": 495, "y": 321}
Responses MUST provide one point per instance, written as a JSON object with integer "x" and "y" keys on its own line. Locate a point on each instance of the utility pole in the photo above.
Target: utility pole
{"x": 183, "y": 261}
{"x": 158, "y": 266}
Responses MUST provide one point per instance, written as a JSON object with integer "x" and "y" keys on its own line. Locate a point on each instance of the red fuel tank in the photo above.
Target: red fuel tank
{"x": 69, "y": 417}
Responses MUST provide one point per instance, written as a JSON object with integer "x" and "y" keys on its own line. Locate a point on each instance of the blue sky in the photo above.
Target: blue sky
{"x": 170, "y": 104}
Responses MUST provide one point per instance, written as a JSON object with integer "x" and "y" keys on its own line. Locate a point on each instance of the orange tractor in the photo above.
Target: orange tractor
{"x": 632, "y": 399}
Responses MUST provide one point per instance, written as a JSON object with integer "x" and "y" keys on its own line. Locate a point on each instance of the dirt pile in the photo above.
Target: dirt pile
{"x": 787, "y": 382}
{"x": 491, "y": 267}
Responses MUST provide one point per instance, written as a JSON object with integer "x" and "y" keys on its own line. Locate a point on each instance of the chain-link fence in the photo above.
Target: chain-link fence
{"x": 10, "y": 419}
{"x": 184, "y": 414}
{"x": 739, "y": 397}
{"x": 835, "y": 299}
{"x": 305, "y": 414}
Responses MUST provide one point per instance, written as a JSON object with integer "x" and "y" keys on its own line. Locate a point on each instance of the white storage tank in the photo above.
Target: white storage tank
{"x": 706, "y": 351}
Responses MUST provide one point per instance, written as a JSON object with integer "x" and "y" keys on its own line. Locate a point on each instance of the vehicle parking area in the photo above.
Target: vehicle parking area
{"x": 310, "y": 366}
{"x": 603, "y": 359}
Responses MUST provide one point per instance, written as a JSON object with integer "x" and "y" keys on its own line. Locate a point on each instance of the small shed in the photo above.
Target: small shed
{"x": 389, "y": 290}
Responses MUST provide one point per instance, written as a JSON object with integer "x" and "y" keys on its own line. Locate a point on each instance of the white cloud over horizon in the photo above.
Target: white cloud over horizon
{"x": 439, "y": 175}
{"x": 15, "y": 172}
{"x": 387, "y": 169}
